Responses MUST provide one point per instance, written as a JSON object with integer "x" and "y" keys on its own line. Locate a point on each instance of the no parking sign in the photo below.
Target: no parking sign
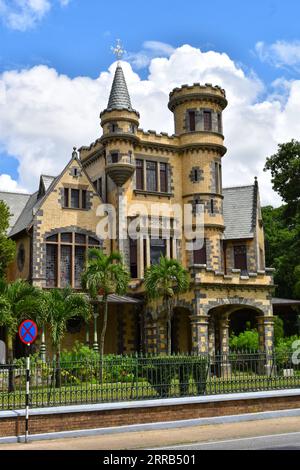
{"x": 28, "y": 332}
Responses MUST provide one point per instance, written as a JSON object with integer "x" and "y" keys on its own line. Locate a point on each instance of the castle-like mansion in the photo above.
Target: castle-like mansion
{"x": 54, "y": 227}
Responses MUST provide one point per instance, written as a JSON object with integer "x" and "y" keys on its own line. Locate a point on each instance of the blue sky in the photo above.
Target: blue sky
{"x": 74, "y": 38}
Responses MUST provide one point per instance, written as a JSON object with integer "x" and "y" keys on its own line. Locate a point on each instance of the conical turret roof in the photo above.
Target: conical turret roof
{"x": 119, "y": 97}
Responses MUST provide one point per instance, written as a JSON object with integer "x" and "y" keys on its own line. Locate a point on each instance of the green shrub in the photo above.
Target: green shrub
{"x": 120, "y": 368}
{"x": 161, "y": 371}
{"x": 194, "y": 367}
{"x": 247, "y": 340}
{"x": 284, "y": 351}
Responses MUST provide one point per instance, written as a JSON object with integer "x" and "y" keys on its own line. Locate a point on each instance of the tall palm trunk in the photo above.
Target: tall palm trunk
{"x": 169, "y": 324}
{"x": 102, "y": 337}
{"x": 10, "y": 358}
{"x": 57, "y": 368}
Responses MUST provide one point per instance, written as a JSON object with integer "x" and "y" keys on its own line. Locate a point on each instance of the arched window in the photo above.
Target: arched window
{"x": 65, "y": 258}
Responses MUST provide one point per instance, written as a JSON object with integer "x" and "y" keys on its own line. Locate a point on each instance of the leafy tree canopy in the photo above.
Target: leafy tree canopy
{"x": 282, "y": 224}
{"x": 7, "y": 246}
{"x": 282, "y": 239}
{"x": 285, "y": 171}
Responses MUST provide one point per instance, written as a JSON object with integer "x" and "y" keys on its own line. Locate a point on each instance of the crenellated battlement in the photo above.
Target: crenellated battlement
{"x": 197, "y": 92}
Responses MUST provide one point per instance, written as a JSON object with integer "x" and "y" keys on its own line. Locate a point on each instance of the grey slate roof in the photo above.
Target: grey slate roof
{"x": 26, "y": 216}
{"x": 119, "y": 97}
{"x": 16, "y": 203}
{"x": 239, "y": 212}
{"x": 47, "y": 181}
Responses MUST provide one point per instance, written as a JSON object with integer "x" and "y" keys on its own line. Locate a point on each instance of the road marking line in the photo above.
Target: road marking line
{"x": 230, "y": 440}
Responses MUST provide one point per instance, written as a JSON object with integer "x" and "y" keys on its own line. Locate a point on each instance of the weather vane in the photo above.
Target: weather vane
{"x": 119, "y": 51}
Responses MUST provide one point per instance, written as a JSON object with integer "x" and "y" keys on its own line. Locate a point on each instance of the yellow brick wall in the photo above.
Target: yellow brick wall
{"x": 13, "y": 271}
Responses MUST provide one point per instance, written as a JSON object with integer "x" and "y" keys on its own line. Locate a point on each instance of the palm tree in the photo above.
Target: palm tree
{"x": 60, "y": 305}
{"x": 165, "y": 281}
{"x": 36, "y": 308}
{"x": 104, "y": 275}
{"x": 15, "y": 299}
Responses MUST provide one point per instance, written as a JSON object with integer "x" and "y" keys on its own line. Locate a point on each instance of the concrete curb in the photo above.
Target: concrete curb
{"x": 152, "y": 403}
{"x": 156, "y": 426}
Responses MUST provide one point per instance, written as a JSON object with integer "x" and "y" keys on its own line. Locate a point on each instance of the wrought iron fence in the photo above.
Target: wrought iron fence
{"x": 126, "y": 378}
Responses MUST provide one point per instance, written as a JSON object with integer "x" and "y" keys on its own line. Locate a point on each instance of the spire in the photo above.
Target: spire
{"x": 119, "y": 96}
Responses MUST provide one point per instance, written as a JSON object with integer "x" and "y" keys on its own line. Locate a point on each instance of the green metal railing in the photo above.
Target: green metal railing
{"x": 128, "y": 378}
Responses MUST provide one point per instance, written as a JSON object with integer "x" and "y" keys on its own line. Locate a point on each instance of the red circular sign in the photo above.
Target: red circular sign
{"x": 28, "y": 331}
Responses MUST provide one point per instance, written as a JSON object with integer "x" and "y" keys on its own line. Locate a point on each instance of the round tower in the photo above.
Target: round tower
{"x": 198, "y": 123}
{"x": 120, "y": 123}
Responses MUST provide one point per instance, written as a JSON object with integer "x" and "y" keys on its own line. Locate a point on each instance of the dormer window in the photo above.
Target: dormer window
{"x": 192, "y": 121}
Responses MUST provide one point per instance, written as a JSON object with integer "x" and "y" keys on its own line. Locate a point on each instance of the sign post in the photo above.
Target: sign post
{"x": 28, "y": 332}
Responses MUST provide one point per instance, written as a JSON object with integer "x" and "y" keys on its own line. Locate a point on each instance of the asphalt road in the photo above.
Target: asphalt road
{"x": 280, "y": 432}
{"x": 290, "y": 441}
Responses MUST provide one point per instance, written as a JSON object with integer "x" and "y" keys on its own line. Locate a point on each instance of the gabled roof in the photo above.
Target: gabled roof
{"x": 26, "y": 215}
{"x": 16, "y": 203}
{"x": 119, "y": 97}
{"x": 34, "y": 201}
{"x": 47, "y": 181}
{"x": 240, "y": 205}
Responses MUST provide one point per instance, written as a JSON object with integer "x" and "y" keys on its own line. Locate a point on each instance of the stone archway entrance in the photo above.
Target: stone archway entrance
{"x": 219, "y": 321}
{"x": 226, "y": 320}
{"x": 218, "y": 316}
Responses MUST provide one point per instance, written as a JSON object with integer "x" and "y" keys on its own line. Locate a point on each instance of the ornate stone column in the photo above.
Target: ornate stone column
{"x": 266, "y": 342}
{"x": 211, "y": 336}
{"x": 150, "y": 329}
{"x": 199, "y": 327}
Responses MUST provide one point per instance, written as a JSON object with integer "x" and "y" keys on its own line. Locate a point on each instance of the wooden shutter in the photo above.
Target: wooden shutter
{"x": 240, "y": 257}
{"x": 192, "y": 121}
{"x": 207, "y": 120}
{"x": 200, "y": 255}
{"x": 139, "y": 174}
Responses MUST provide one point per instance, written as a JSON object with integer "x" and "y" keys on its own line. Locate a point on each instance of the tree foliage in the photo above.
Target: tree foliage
{"x": 282, "y": 224}
{"x": 104, "y": 275}
{"x": 165, "y": 281}
{"x": 7, "y": 246}
{"x": 282, "y": 239}
{"x": 13, "y": 309}
{"x": 285, "y": 171}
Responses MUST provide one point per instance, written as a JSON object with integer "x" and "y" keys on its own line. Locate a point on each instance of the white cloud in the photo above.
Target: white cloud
{"x": 280, "y": 53}
{"x": 43, "y": 114}
{"x": 8, "y": 184}
{"x": 22, "y": 15}
{"x": 150, "y": 49}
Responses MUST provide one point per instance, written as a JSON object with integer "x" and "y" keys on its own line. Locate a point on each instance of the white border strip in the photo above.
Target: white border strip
{"x": 155, "y": 426}
{"x": 153, "y": 403}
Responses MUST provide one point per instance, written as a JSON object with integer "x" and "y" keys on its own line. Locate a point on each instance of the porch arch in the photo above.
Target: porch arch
{"x": 220, "y": 314}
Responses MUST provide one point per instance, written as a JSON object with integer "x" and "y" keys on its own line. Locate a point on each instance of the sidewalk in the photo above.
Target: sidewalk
{"x": 162, "y": 438}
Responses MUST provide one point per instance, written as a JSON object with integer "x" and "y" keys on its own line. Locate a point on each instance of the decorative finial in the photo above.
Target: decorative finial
{"x": 74, "y": 153}
{"x": 119, "y": 51}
